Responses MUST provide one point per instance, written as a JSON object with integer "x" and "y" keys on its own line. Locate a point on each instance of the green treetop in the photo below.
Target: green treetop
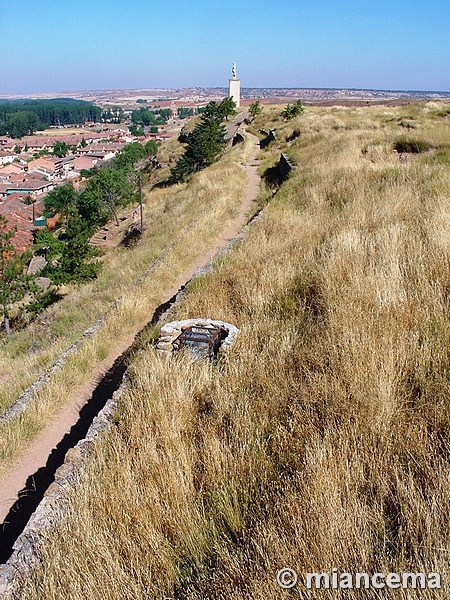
{"x": 73, "y": 256}
{"x": 255, "y": 109}
{"x": 292, "y": 110}
{"x": 60, "y": 149}
{"x": 206, "y": 142}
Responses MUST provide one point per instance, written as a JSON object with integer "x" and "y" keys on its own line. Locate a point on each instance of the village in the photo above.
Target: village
{"x": 29, "y": 169}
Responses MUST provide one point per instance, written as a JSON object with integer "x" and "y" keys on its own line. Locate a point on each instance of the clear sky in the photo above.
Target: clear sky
{"x": 63, "y": 45}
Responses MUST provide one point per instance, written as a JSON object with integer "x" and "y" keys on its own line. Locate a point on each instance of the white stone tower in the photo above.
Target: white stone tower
{"x": 234, "y": 89}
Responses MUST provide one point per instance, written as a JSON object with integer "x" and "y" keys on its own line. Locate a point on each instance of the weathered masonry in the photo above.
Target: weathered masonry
{"x": 199, "y": 337}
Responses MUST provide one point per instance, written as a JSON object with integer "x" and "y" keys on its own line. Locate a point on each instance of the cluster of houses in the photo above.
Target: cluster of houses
{"x": 28, "y": 173}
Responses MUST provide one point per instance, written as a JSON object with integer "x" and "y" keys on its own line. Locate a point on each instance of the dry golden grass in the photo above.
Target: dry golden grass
{"x": 323, "y": 440}
{"x": 189, "y": 216}
{"x": 55, "y": 132}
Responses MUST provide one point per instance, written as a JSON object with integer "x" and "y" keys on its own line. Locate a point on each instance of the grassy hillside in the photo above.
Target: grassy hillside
{"x": 323, "y": 441}
{"x": 177, "y": 223}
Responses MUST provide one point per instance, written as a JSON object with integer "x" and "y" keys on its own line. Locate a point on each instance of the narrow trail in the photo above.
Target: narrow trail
{"x": 22, "y": 489}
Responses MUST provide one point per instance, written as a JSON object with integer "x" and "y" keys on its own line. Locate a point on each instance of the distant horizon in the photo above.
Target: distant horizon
{"x": 225, "y": 88}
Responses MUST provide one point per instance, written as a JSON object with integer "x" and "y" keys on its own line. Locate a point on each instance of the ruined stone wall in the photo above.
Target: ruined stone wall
{"x": 285, "y": 166}
{"x": 270, "y": 137}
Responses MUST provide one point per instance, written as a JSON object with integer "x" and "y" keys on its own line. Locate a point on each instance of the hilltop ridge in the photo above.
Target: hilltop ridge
{"x": 267, "y": 94}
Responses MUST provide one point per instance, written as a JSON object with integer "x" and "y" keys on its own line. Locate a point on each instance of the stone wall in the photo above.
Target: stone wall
{"x": 270, "y": 137}
{"x": 53, "y": 507}
{"x": 238, "y": 139}
{"x": 284, "y": 167}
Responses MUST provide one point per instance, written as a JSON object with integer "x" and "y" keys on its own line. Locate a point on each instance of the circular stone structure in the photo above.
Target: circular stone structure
{"x": 168, "y": 341}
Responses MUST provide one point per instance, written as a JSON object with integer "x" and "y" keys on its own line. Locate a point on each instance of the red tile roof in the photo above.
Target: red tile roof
{"x": 20, "y": 215}
{"x": 11, "y": 168}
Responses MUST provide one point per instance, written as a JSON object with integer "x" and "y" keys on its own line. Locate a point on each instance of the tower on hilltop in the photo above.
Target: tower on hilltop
{"x": 234, "y": 88}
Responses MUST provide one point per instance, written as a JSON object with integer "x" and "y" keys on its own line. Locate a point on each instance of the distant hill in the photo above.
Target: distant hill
{"x": 313, "y": 95}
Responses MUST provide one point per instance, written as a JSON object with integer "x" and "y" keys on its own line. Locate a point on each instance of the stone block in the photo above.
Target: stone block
{"x": 43, "y": 283}
{"x": 166, "y": 346}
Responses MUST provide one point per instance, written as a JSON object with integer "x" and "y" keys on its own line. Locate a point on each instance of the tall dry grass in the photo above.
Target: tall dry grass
{"x": 322, "y": 442}
{"x": 181, "y": 223}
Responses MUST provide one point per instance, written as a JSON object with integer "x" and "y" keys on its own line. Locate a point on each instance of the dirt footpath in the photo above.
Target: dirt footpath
{"x": 36, "y": 455}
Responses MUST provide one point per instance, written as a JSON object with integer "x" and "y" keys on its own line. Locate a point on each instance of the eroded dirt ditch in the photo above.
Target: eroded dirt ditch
{"x": 36, "y": 485}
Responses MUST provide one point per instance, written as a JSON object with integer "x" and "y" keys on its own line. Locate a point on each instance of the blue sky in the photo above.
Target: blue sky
{"x": 61, "y": 45}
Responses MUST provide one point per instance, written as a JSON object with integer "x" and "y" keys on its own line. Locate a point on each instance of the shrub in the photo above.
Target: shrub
{"x": 292, "y": 110}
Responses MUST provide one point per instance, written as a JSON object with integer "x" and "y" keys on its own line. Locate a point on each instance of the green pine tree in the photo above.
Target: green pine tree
{"x": 292, "y": 110}
{"x": 255, "y": 108}
{"x": 76, "y": 260}
{"x": 205, "y": 143}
